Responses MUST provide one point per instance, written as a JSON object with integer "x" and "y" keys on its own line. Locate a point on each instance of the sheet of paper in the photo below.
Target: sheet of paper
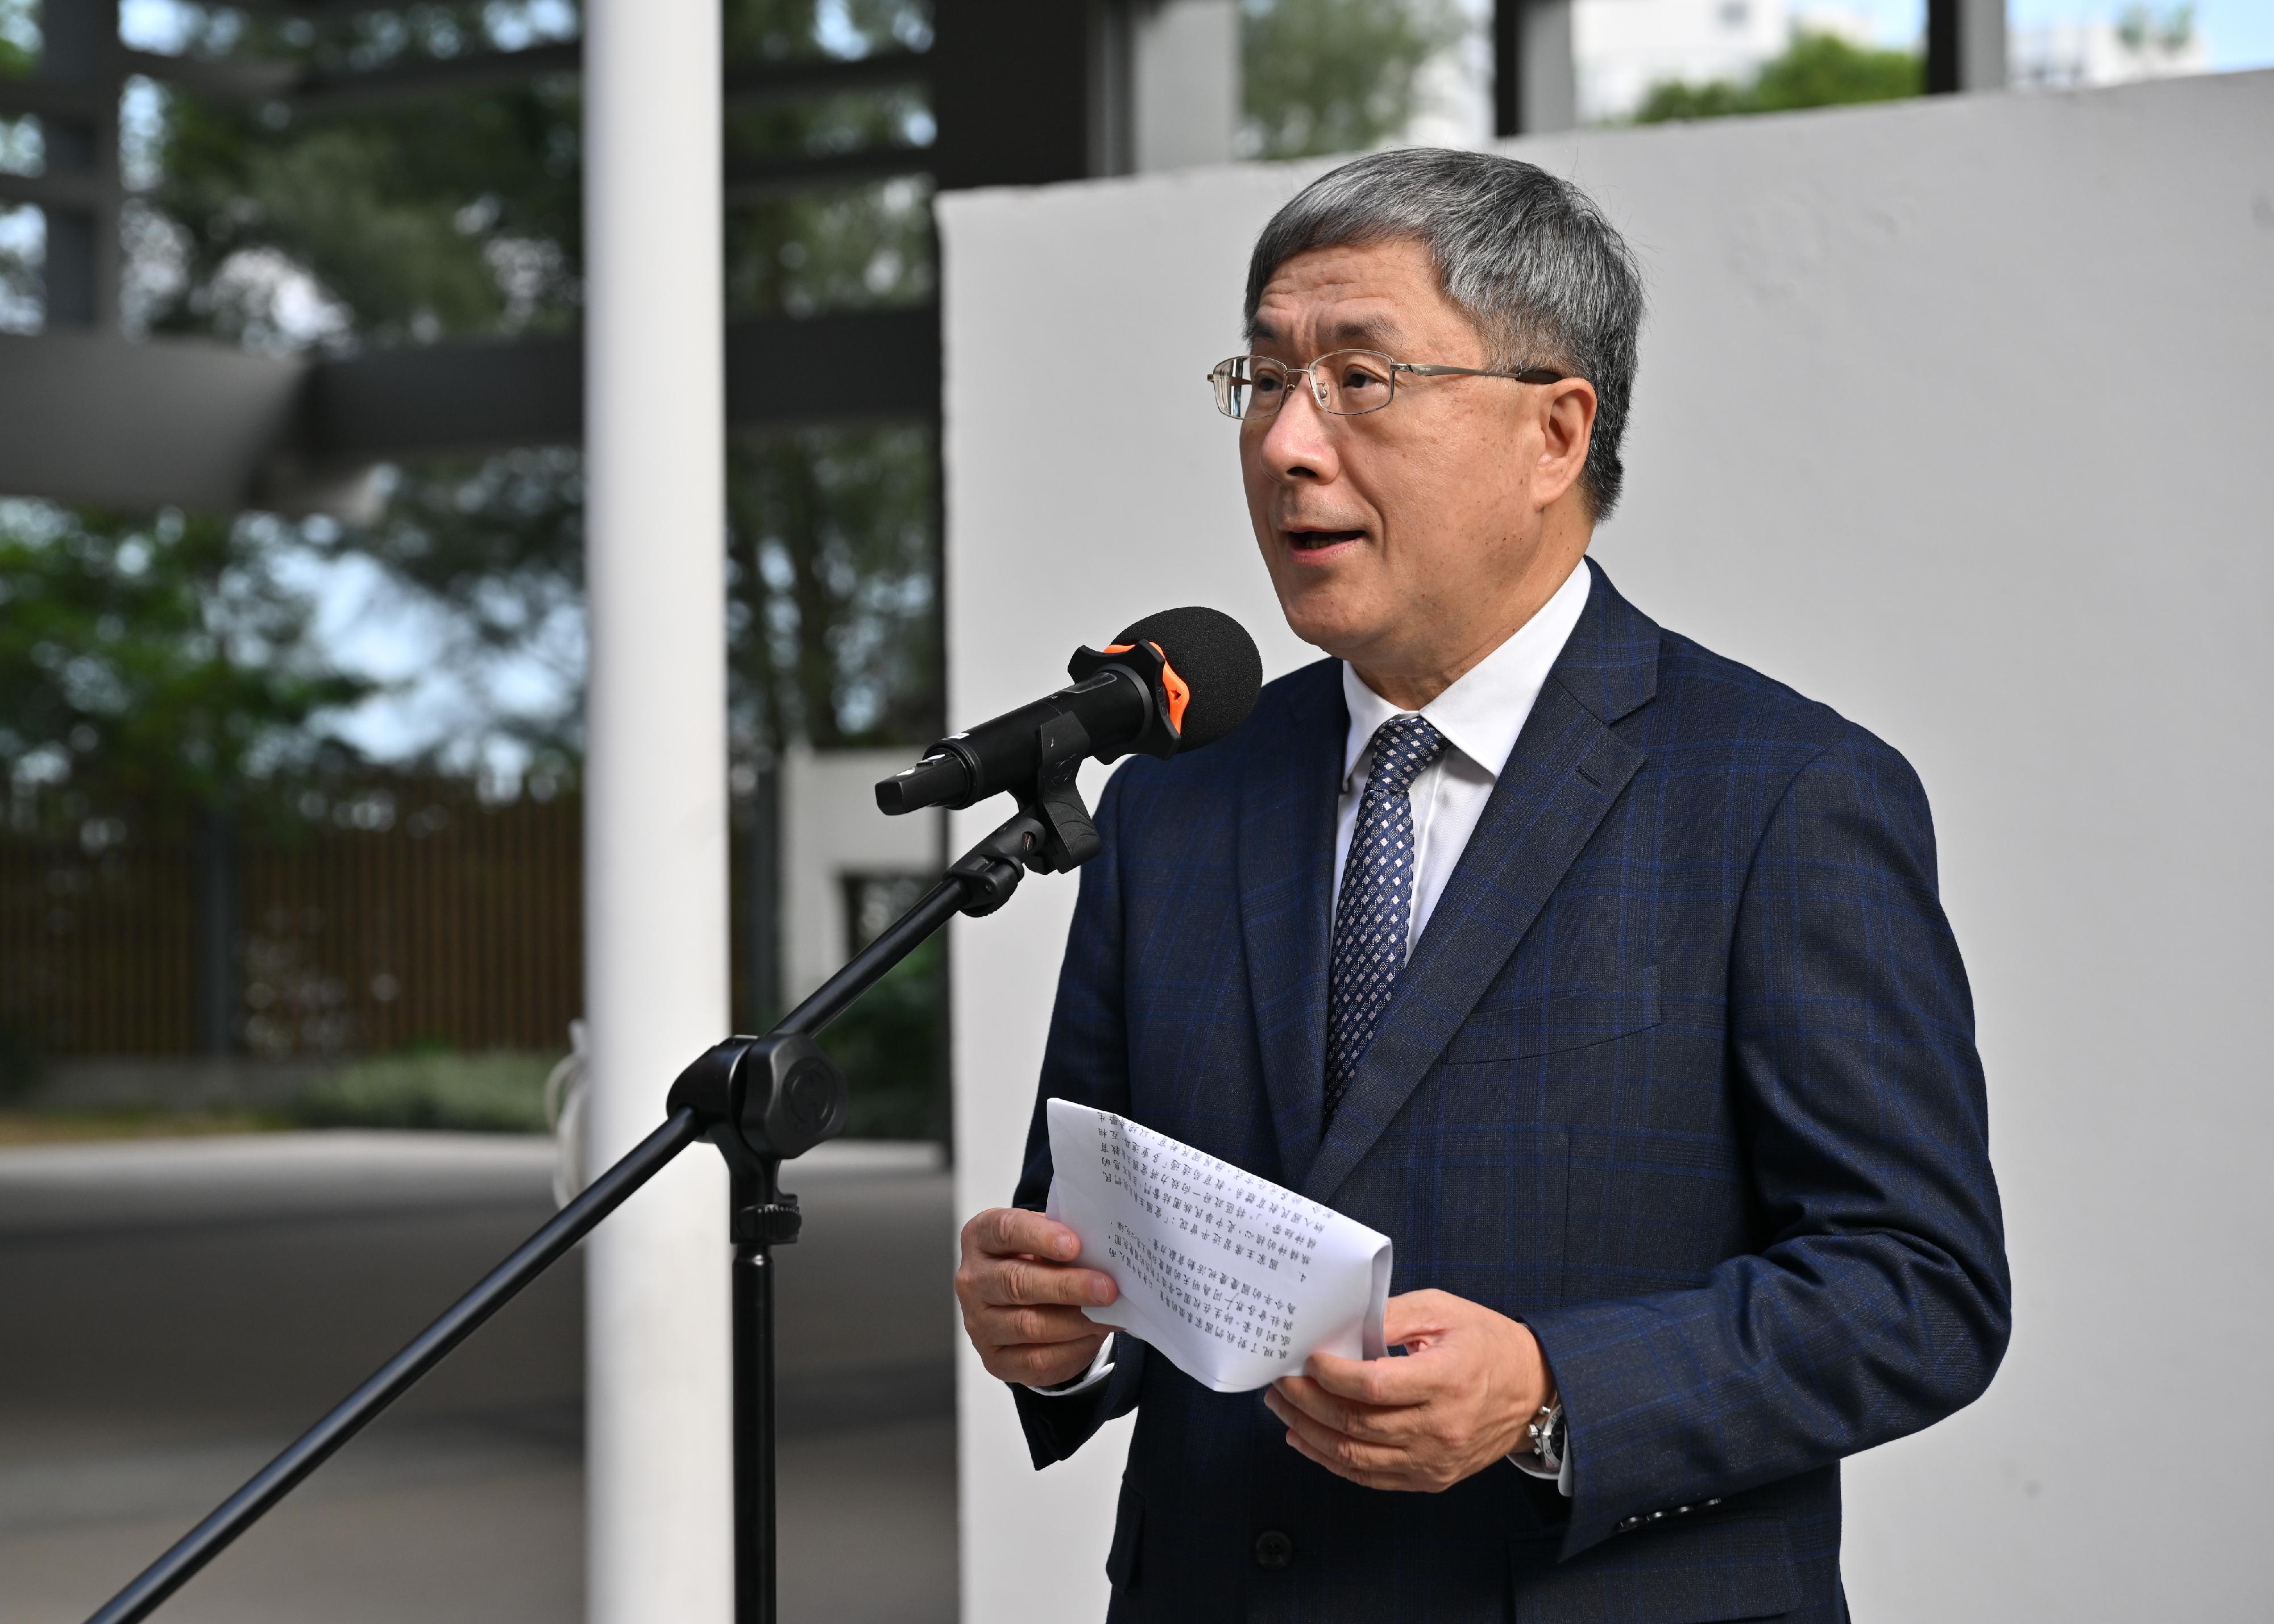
{"x": 1235, "y": 1279}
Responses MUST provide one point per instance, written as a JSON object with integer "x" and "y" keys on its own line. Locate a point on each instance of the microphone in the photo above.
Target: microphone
{"x": 1174, "y": 682}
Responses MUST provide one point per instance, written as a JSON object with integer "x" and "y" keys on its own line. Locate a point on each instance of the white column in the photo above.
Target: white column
{"x": 658, "y": 1437}
{"x": 1550, "y": 96}
{"x": 1185, "y": 83}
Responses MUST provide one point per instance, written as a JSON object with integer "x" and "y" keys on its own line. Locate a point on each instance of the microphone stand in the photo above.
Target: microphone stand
{"x": 761, "y": 1101}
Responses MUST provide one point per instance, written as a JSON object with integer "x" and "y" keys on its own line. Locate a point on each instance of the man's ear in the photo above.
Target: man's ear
{"x": 1567, "y": 422}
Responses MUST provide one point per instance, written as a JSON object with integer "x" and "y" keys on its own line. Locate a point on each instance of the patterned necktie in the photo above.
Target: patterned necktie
{"x": 1376, "y": 907}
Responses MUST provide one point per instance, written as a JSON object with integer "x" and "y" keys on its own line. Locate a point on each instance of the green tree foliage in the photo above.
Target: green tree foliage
{"x": 169, "y": 656}
{"x": 456, "y": 214}
{"x": 451, "y": 213}
{"x": 2141, "y": 27}
{"x": 20, "y": 35}
{"x": 831, "y": 567}
{"x": 795, "y": 252}
{"x": 862, "y": 248}
{"x": 153, "y": 661}
{"x": 19, "y": 277}
{"x": 1335, "y": 76}
{"x": 1816, "y": 70}
{"x": 834, "y": 631}
{"x": 348, "y": 222}
{"x": 496, "y": 545}
{"x": 778, "y": 30}
{"x": 887, "y": 1045}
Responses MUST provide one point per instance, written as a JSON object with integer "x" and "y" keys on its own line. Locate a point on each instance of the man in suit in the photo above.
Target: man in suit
{"x": 1604, "y": 975}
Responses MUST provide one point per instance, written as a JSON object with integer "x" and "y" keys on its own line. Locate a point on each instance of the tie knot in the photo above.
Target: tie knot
{"x": 1402, "y": 746}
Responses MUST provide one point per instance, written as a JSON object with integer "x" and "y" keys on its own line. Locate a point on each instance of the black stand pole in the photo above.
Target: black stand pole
{"x": 389, "y": 1383}
{"x": 756, "y": 1205}
{"x": 762, "y": 1102}
{"x": 781, "y": 1104}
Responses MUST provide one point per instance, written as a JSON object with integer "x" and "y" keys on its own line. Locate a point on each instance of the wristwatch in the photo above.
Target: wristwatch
{"x": 1547, "y": 1432}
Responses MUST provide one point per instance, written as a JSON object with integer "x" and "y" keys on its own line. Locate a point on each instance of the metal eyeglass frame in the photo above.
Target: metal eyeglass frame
{"x": 1220, "y": 376}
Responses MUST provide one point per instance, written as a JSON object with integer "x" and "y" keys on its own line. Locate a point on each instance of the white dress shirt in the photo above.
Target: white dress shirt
{"x": 1480, "y": 717}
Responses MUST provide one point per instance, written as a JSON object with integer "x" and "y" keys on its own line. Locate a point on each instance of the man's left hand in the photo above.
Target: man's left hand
{"x": 1460, "y": 1399}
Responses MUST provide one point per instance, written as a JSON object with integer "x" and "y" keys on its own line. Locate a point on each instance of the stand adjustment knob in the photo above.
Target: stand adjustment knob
{"x": 772, "y": 1223}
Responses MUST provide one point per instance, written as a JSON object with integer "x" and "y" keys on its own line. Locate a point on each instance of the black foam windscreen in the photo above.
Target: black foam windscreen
{"x": 1218, "y": 661}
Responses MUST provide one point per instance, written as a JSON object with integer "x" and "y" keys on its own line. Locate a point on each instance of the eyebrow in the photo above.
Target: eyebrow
{"x": 1368, "y": 332}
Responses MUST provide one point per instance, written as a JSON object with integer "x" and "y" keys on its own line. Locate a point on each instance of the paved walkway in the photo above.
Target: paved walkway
{"x": 172, "y": 1313}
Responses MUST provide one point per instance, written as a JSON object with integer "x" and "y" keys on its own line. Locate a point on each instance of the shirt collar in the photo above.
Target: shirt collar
{"x": 1481, "y": 714}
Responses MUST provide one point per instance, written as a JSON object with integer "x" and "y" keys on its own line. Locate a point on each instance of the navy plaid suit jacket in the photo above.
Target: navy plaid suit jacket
{"x": 1681, "y": 1073}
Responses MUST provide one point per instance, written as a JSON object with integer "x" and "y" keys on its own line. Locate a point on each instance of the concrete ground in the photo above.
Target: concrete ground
{"x": 173, "y": 1313}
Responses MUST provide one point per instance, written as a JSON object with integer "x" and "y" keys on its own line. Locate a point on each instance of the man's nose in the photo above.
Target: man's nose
{"x": 1299, "y": 443}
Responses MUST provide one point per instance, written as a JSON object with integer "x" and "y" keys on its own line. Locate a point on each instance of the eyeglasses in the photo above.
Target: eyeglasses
{"x": 1348, "y": 383}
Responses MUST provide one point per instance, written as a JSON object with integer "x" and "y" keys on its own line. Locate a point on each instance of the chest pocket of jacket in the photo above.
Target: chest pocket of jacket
{"x": 1580, "y": 1018}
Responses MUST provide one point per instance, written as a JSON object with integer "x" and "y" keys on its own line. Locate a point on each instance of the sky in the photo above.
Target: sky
{"x": 2237, "y": 33}
{"x": 367, "y": 624}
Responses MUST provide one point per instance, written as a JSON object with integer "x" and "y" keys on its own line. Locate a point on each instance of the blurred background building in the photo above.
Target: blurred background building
{"x": 289, "y": 672}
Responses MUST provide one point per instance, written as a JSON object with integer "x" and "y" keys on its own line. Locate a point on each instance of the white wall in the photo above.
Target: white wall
{"x": 830, "y": 828}
{"x": 1955, "y": 415}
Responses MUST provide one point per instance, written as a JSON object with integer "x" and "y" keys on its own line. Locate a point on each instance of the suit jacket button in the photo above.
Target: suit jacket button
{"x": 1274, "y": 1549}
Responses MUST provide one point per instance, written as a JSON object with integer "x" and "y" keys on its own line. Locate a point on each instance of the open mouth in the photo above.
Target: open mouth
{"x": 1314, "y": 541}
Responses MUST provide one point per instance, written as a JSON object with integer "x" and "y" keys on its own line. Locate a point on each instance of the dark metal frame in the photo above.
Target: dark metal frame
{"x": 1965, "y": 49}
{"x": 1220, "y": 376}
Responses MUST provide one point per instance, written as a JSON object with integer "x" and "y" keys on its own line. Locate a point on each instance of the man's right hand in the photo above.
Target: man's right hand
{"x": 1022, "y": 1299}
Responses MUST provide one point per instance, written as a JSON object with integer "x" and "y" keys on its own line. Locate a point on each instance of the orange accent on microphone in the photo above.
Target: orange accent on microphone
{"x": 1180, "y": 693}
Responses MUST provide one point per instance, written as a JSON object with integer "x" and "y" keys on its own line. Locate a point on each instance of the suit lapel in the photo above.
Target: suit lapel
{"x": 1566, "y": 769}
{"x": 1286, "y": 863}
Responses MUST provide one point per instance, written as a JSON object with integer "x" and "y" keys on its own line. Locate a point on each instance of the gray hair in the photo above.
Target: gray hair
{"x": 1527, "y": 257}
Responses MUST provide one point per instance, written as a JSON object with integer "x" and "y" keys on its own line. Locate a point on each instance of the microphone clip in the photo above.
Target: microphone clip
{"x": 1069, "y": 837}
{"x": 1050, "y": 833}
{"x": 1163, "y": 686}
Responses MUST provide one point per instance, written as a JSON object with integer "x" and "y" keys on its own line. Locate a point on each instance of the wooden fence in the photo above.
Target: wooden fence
{"x": 95, "y": 937}
{"x": 406, "y": 912}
